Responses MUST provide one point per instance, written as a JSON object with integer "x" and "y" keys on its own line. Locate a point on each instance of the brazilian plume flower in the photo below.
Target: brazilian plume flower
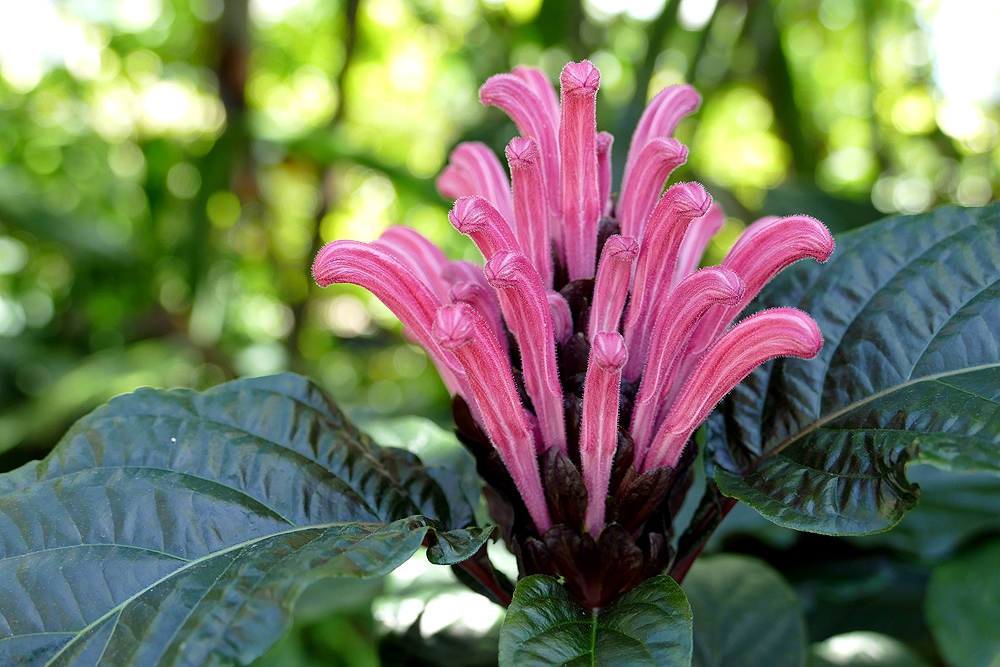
{"x": 589, "y": 348}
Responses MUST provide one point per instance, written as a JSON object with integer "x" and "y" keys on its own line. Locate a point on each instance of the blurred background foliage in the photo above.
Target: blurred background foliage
{"x": 168, "y": 169}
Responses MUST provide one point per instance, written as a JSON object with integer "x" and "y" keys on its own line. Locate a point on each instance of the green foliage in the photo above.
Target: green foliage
{"x": 963, "y": 607}
{"x": 909, "y": 369}
{"x": 745, "y": 614}
{"x": 649, "y": 625}
{"x": 179, "y": 528}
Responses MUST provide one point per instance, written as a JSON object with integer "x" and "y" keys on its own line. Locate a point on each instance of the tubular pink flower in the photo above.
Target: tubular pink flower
{"x": 531, "y": 212}
{"x": 779, "y": 332}
{"x": 580, "y": 207}
{"x": 523, "y": 96}
{"x": 699, "y": 233}
{"x": 654, "y": 268}
{"x": 478, "y": 219}
{"x": 476, "y": 167}
{"x": 604, "y": 142}
{"x": 599, "y": 429}
{"x": 525, "y": 307}
{"x": 674, "y": 321}
{"x": 644, "y": 182}
{"x": 765, "y": 248}
{"x": 562, "y": 318}
{"x": 461, "y": 331}
{"x": 660, "y": 119}
{"x": 611, "y": 286}
{"x": 402, "y": 292}
{"x": 416, "y": 253}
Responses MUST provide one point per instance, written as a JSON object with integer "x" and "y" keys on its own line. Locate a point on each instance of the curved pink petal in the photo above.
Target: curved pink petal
{"x": 660, "y": 118}
{"x": 654, "y": 268}
{"x": 765, "y": 248}
{"x": 473, "y": 165}
{"x": 478, "y": 219}
{"x": 394, "y": 285}
{"x": 779, "y": 332}
{"x": 417, "y": 254}
{"x": 674, "y": 321}
{"x": 644, "y": 183}
{"x": 697, "y": 238}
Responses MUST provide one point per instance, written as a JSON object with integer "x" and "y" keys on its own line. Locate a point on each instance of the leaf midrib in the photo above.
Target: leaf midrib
{"x": 858, "y": 404}
{"x": 193, "y": 563}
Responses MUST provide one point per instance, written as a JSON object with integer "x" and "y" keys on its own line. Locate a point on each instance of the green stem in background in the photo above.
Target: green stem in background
{"x": 780, "y": 85}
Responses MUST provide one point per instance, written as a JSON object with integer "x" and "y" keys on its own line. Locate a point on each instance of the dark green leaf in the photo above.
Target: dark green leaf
{"x": 910, "y": 311}
{"x": 863, "y": 649}
{"x": 745, "y": 614}
{"x": 177, "y": 528}
{"x": 953, "y": 509}
{"x": 649, "y": 625}
{"x": 963, "y": 607}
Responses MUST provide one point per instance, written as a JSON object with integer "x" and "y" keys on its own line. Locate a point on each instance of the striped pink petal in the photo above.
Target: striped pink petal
{"x": 660, "y": 119}
{"x": 525, "y": 307}
{"x": 674, "y": 321}
{"x": 644, "y": 183}
{"x": 478, "y": 219}
{"x": 604, "y": 142}
{"x": 416, "y": 253}
{"x": 654, "y": 269}
{"x": 779, "y": 332}
{"x": 479, "y": 169}
{"x": 531, "y": 212}
{"x": 599, "y": 430}
{"x": 765, "y": 248}
{"x": 611, "y": 286}
{"x": 697, "y": 238}
{"x": 462, "y": 332}
{"x": 581, "y": 208}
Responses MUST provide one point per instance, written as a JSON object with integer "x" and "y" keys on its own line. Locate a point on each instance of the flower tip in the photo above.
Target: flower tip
{"x": 604, "y": 141}
{"x": 693, "y": 199}
{"x": 581, "y": 78}
{"x": 501, "y": 270}
{"x": 797, "y": 328}
{"x": 622, "y": 248}
{"x": 454, "y": 325}
{"x": 521, "y": 152}
{"x": 334, "y": 259}
{"x": 608, "y": 351}
{"x": 468, "y": 214}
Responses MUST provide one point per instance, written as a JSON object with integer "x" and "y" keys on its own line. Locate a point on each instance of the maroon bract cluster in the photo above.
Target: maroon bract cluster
{"x": 590, "y": 347}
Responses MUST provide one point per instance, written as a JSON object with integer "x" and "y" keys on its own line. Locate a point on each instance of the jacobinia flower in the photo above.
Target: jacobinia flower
{"x": 589, "y": 348}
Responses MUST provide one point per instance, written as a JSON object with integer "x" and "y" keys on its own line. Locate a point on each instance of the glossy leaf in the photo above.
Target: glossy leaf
{"x": 649, "y": 625}
{"x": 909, "y": 308}
{"x": 177, "y": 528}
{"x": 963, "y": 607}
{"x": 745, "y": 614}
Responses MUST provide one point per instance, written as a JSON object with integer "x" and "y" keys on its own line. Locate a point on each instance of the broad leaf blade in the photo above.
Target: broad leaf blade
{"x": 910, "y": 311}
{"x": 963, "y": 607}
{"x": 176, "y": 528}
{"x": 745, "y": 614}
{"x": 649, "y": 625}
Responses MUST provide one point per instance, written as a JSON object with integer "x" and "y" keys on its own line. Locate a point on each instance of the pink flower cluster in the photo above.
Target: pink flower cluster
{"x": 655, "y": 319}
